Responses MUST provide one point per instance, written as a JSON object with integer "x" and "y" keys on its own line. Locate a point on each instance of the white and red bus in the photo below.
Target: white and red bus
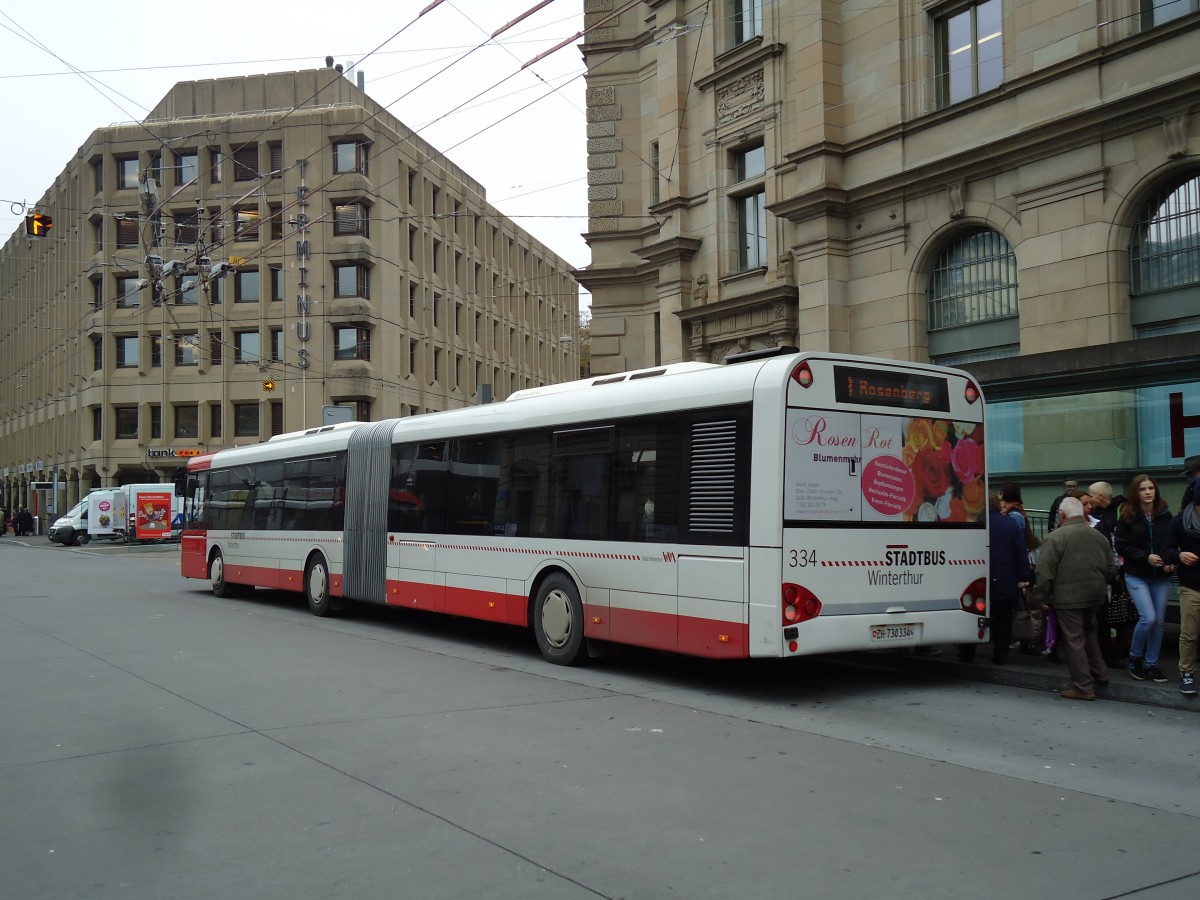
{"x": 781, "y": 504}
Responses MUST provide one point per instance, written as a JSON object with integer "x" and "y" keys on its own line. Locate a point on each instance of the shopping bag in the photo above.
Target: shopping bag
{"x": 1029, "y": 626}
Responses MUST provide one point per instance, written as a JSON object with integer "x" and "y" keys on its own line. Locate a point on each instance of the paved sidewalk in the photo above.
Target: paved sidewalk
{"x": 1040, "y": 674}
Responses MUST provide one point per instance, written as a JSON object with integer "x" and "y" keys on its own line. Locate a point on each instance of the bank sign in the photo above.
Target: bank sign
{"x": 161, "y": 453}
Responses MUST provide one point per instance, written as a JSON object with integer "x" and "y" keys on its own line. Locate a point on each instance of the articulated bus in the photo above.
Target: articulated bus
{"x": 778, "y": 505}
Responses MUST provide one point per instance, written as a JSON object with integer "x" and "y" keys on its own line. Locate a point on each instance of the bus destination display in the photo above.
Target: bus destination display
{"x": 873, "y": 387}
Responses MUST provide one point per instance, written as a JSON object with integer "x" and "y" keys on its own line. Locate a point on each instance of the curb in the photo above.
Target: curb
{"x": 1121, "y": 688}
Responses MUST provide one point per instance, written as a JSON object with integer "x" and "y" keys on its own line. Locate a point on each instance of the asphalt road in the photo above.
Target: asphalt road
{"x": 158, "y": 742}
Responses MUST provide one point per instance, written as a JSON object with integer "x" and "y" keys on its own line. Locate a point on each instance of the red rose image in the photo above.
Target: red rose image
{"x": 931, "y": 469}
{"x": 958, "y": 511}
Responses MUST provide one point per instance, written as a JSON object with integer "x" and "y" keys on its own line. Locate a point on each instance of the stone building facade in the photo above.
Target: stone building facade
{"x": 1006, "y": 186}
{"x": 258, "y": 256}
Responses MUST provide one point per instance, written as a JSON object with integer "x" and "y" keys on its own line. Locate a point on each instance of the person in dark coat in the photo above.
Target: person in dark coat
{"x": 1191, "y": 469}
{"x": 1142, "y": 538}
{"x": 1105, "y": 507}
{"x": 1009, "y": 570}
{"x": 1070, "y": 486}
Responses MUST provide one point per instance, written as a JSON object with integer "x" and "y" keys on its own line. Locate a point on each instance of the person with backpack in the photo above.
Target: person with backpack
{"x": 1185, "y": 556}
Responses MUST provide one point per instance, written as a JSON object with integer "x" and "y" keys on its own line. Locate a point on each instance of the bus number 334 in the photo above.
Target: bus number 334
{"x": 802, "y": 558}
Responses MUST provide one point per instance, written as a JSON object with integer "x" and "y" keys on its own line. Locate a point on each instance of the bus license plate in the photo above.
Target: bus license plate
{"x": 881, "y": 634}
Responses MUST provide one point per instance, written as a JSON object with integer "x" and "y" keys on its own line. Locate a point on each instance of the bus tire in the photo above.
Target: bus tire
{"x": 316, "y": 586}
{"x": 558, "y": 621}
{"x": 216, "y": 575}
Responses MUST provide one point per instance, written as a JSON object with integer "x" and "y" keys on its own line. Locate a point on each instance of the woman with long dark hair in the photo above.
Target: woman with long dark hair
{"x": 1142, "y": 535}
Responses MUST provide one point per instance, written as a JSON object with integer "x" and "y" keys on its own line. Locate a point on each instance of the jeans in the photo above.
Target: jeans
{"x": 1150, "y": 598}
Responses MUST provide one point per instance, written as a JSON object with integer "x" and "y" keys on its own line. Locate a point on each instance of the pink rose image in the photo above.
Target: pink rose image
{"x": 967, "y": 457}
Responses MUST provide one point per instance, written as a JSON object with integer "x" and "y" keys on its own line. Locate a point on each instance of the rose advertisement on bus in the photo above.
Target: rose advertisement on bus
{"x": 845, "y": 466}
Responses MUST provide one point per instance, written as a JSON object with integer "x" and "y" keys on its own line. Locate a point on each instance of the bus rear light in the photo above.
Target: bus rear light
{"x": 974, "y": 598}
{"x": 971, "y": 392}
{"x": 803, "y": 375}
{"x": 799, "y": 604}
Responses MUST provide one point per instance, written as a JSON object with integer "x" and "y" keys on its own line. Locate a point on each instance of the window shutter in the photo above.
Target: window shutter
{"x": 127, "y": 231}
{"x": 245, "y": 163}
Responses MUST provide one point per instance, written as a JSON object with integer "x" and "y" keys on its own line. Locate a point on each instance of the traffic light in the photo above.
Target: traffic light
{"x": 38, "y": 224}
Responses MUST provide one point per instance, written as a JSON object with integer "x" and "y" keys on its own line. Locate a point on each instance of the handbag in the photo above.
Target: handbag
{"x": 1029, "y": 625}
{"x": 1121, "y": 610}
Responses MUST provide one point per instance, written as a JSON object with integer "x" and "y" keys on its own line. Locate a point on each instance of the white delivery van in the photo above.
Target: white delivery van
{"x": 71, "y": 528}
{"x": 112, "y": 513}
{"x": 101, "y": 514}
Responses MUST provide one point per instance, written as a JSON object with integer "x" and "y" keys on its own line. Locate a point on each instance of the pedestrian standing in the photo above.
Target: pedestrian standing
{"x": 1010, "y": 500}
{"x": 1191, "y": 469}
{"x": 1184, "y": 554}
{"x": 1069, "y": 488}
{"x": 1010, "y": 573}
{"x": 1074, "y": 568}
{"x": 1142, "y": 536}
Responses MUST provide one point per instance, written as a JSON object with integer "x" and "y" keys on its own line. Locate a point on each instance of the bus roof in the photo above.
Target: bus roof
{"x": 666, "y": 389}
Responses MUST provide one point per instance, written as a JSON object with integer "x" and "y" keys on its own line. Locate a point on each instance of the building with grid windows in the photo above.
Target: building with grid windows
{"x": 1007, "y": 186}
{"x": 260, "y": 255}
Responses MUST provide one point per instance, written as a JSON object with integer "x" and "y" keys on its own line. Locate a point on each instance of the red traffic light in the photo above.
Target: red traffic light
{"x": 38, "y": 224}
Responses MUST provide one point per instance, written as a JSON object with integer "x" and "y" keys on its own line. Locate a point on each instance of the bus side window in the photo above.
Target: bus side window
{"x": 403, "y": 504}
{"x": 648, "y": 492}
{"x": 474, "y": 481}
{"x": 522, "y": 493}
{"x": 430, "y": 476}
{"x": 584, "y": 486}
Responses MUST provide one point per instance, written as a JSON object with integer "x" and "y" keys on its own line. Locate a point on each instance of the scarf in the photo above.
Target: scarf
{"x": 1191, "y": 520}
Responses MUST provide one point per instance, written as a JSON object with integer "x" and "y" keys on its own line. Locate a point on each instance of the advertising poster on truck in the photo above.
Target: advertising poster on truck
{"x": 153, "y": 514}
{"x": 107, "y": 513}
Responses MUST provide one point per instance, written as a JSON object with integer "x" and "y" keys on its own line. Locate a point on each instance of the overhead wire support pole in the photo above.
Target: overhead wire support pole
{"x": 521, "y": 18}
{"x": 612, "y": 15}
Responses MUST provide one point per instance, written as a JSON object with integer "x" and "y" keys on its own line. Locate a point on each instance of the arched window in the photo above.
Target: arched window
{"x": 972, "y": 299}
{"x": 1164, "y": 262}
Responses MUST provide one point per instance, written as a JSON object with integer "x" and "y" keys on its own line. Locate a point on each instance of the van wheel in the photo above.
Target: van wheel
{"x": 558, "y": 621}
{"x": 316, "y": 586}
{"x": 216, "y": 574}
{"x": 81, "y": 539}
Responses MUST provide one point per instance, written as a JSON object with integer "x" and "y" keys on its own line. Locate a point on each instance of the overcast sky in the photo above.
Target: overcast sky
{"x": 532, "y": 164}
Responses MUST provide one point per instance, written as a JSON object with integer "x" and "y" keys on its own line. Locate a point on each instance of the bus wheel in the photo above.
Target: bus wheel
{"x": 216, "y": 574}
{"x": 316, "y": 586}
{"x": 558, "y": 621}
